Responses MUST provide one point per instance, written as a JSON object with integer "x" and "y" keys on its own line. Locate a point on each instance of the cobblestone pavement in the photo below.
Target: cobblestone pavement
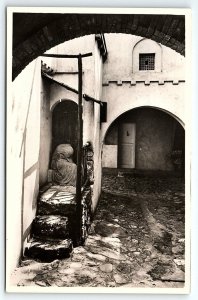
{"x": 131, "y": 244}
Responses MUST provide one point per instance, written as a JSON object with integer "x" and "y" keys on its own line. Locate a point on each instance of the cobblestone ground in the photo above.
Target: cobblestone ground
{"x": 131, "y": 244}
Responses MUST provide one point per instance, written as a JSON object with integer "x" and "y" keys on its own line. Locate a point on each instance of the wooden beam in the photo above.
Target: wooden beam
{"x": 69, "y": 88}
{"x": 59, "y": 83}
{"x": 67, "y": 55}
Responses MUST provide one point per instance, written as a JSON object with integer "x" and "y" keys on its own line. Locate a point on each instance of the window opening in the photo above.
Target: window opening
{"x": 147, "y": 61}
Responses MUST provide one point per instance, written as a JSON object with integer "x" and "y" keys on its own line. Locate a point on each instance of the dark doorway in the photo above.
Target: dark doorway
{"x": 64, "y": 125}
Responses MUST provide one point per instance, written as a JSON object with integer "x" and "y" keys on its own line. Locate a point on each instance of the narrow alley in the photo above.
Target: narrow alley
{"x": 136, "y": 239}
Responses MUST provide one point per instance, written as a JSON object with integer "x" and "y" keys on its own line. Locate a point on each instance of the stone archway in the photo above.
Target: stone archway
{"x": 34, "y": 33}
{"x": 148, "y": 148}
{"x": 168, "y": 110}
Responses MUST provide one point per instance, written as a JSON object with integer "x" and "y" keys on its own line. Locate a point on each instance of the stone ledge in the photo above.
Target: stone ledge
{"x": 145, "y": 82}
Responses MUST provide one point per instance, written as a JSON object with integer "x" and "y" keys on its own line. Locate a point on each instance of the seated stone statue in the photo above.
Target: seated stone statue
{"x": 64, "y": 170}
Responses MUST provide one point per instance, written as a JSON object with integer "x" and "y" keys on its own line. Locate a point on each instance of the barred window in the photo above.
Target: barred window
{"x": 147, "y": 61}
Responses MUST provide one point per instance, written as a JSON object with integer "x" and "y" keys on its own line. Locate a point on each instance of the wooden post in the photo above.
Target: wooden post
{"x": 79, "y": 156}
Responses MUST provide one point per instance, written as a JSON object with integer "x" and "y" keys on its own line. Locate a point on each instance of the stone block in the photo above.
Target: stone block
{"x": 57, "y": 200}
{"x": 106, "y": 268}
{"x": 52, "y": 226}
{"x": 49, "y": 250}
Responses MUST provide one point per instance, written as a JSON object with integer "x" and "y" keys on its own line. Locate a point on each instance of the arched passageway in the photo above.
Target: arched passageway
{"x": 145, "y": 139}
{"x": 34, "y": 33}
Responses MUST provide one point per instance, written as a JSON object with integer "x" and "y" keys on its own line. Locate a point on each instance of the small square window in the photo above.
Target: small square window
{"x": 147, "y": 61}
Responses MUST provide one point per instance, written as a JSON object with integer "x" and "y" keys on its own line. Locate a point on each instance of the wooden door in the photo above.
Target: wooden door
{"x": 126, "y": 148}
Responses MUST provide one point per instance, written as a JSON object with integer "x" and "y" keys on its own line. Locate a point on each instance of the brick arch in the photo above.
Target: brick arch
{"x": 35, "y": 33}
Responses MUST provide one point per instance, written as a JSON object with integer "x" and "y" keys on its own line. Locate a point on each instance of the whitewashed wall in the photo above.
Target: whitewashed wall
{"x": 126, "y": 88}
{"x": 92, "y": 85}
{"x": 23, "y": 144}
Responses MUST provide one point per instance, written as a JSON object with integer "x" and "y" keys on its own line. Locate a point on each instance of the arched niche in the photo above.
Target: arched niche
{"x": 64, "y": 124}
{"x": 148, "y": 52}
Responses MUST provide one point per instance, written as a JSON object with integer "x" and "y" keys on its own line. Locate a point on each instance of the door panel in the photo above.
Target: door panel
{"x": 127, "y": 159}
{"x": 127, "y": 133}
{"x": 126, "y": 153}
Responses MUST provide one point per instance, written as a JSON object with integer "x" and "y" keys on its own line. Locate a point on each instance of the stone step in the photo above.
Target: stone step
{"x": 50, "y": 226}
{"x": 48, "y": 250}
{"x": 59, "y": 200}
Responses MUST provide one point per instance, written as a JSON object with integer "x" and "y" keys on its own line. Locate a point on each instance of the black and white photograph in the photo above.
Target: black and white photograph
{"x": 98, "y": 144}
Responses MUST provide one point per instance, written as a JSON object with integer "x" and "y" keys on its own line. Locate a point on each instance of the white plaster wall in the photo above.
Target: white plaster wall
{"x": 23, "y": 112}
{"x": 109, "y": 156}
{"x": 119, "y": 63}
{"x": 31, "y": 189}
{"x": 147, "y": 46}
{"x": 45, "y": 133}
{"x": 81, "y": 45}
{"x": 167, "y": 97}
{"x": 98, "y": 65}
{"x": 58, "y": 93}
{"x": 125, "y": 87}
{"x": 31, "y": 151}
{"x": 92, "y": 85}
